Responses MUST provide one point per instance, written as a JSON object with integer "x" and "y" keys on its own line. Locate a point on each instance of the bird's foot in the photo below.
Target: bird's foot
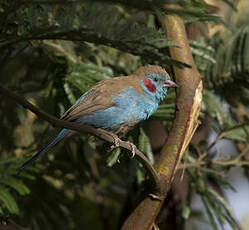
{"x": 116, "y": 139}
{"x": 133, "y": 149}
{"x": 116, "y": 142}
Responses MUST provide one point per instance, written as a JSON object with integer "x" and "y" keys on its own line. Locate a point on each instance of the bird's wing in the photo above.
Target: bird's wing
{"x": 97, "y": 98}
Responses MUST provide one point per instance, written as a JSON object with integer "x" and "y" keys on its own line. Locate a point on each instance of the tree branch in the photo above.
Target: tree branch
{"x": 7, "y": 224}
{"x": 189, "y": 100}
{"x": 84, "y": 129}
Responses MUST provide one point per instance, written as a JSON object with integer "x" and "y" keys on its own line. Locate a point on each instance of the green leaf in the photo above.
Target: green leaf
{"x": 165, "y": 111}
{"x": 217, "y": 209}
{"x": 220, "y": 199}
{"x": 69, "y": 93}
{"x": 140, "y": 174}
{"x": 231, "y": 4}
{"x": 209, "y": 213}
{"x": 144, "y": 145}
{"x": 237, "y": 133}
{"x": 215, "y": 108}
{"x": 28, "y": 176}
{"x": 203, "y": 55}
{"x": 186, "y": 212}
{"x": 8, "y": 160}
{"x": 113, "y": 158}
{"x": 8, "y": 201}
{"x": 84, "y": 75}
{"x": 18, "y": 185}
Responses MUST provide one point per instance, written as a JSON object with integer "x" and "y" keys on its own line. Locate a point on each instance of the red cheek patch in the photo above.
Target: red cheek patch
{"x": 149, "y": 85}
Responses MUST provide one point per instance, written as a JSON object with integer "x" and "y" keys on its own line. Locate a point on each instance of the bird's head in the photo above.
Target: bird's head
{"x": 155, "y": 81}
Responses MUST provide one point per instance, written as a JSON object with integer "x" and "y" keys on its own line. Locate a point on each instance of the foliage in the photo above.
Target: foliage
{"x": 53, "y": 52}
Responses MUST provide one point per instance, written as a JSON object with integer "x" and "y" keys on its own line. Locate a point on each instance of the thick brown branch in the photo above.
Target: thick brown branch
{"x": 189, "y": 100}
{"x": 83, "y": 128}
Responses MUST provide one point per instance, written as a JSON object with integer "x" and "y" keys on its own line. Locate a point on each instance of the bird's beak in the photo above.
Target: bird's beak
{"x": 170, "y": 84}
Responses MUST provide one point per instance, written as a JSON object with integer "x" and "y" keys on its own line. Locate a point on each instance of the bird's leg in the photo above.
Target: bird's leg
{"x": 117, "y": 142}
{"x": 114, "y": 136}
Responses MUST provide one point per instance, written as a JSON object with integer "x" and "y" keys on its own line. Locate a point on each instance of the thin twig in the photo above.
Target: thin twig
{"x": 83, "y": 129}
{"x": 59, "y": 48}
{"x": 221, "y": 162}
{"x": 196, "y": 164}
{"x": 218, "y": 138}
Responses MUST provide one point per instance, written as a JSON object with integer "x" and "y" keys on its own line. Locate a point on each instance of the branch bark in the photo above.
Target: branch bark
{"x": 188, "y": 103}
{"x": 104, "y": 135}
{"x": 7, "y": 224}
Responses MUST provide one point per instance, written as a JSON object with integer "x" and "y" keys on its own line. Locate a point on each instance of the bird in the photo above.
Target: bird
{"x": 116, "y": 104}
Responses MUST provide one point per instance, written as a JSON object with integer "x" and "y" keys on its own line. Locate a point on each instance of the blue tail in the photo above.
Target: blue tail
{"x": 61, "y": 134}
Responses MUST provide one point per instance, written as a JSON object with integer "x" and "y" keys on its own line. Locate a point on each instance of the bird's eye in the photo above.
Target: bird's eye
{"x": 156, "y": 79}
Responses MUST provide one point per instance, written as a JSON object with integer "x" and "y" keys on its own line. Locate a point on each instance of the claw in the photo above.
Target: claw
{"x": 116, "y": 142}
{"x": 133, "y": 149}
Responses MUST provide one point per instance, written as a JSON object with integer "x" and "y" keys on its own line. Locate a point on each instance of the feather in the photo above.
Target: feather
{"x": 60, "y": 136}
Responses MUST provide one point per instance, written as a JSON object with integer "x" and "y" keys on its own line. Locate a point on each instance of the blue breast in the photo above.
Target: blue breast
{"x": 130, "y": 107}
